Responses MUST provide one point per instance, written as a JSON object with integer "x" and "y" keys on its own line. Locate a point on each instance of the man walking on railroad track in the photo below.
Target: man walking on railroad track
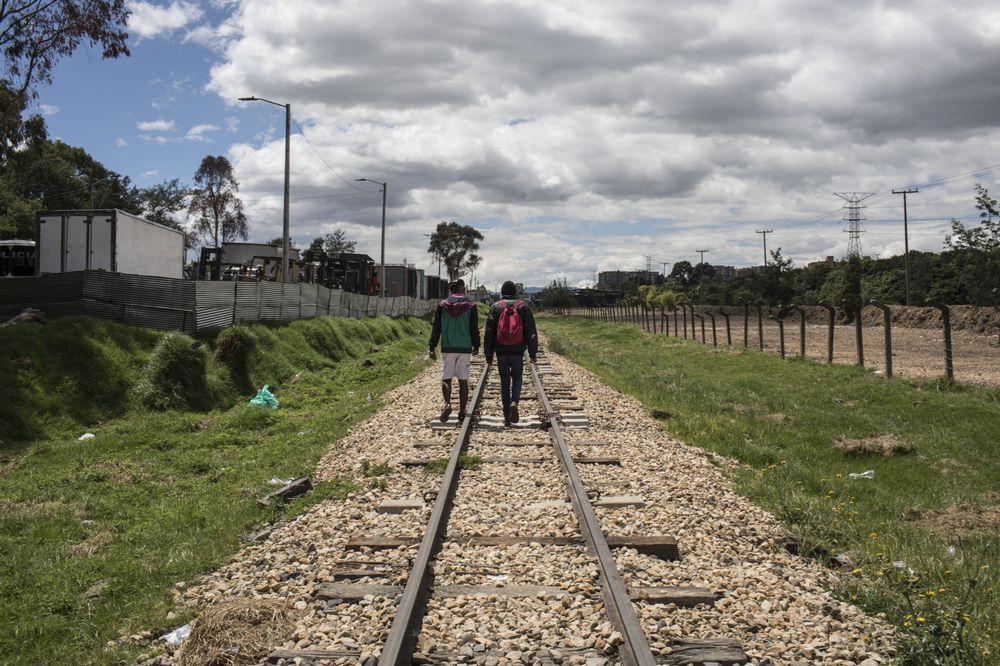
{"x": 456, "y": 324}
{"x": 510, "y": 329}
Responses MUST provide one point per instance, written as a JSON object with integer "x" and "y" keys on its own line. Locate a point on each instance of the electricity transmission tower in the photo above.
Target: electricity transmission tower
{"x": 649, "y": 262}
{"x": 854, "y": 218}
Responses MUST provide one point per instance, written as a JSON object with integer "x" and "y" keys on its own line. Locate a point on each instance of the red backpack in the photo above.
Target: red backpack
{"x": 510, "y": 331}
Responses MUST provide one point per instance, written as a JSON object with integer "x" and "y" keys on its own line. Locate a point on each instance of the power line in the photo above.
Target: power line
{"x": 323, "y": 159}
{"x": 765, "y": 232}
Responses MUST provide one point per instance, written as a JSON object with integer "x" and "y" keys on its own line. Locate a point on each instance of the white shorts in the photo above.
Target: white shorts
{"x": 454, "y": 364}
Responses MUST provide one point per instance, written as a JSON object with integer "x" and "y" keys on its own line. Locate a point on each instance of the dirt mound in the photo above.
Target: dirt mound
{"x": 885, "y": 445}
{"x": 959, "y": 520}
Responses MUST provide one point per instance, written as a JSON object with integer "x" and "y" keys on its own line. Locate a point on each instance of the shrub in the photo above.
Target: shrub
{"x": 174, "y": 376}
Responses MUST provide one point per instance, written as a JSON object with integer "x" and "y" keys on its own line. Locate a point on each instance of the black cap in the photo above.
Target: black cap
{"x": 508, "y": 289}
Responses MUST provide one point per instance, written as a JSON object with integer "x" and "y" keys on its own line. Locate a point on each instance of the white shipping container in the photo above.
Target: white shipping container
{"x": 111, "y": 240}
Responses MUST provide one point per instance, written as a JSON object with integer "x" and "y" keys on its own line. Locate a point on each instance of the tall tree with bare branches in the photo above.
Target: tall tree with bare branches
{"x": 217, "y": 211}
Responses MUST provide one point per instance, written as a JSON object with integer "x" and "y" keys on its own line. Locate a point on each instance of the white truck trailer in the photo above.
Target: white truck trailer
{"x": 112, "y": 240}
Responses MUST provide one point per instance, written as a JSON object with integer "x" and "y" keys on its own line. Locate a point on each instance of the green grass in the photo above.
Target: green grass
{"x": 158, "y": 497}
{"x": 781, "y": 418}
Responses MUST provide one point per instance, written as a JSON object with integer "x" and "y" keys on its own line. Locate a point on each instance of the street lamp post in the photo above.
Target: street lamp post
{"x": 381, "y": 277}
{"x": 283, "y": 275}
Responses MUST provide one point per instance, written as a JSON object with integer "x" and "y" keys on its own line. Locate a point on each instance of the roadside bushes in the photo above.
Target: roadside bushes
{"x": 175, "y": 375}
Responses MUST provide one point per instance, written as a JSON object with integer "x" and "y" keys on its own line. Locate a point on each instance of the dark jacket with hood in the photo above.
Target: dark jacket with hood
{"x": 530, "y": 340}
{"x": 456, "y": 324}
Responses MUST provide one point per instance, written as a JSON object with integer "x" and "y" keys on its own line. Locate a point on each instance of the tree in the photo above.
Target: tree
{"x": 218, "y": 212}
{"x": 53, "y": 175}
{"x": 337, "y": 243}
{"x": 985, "y": 237}
{"x": 36, "y": 34}
{"x": 161, "y": 201}
{"x": 681, "y": 273}
{"x": 456, "y": 244}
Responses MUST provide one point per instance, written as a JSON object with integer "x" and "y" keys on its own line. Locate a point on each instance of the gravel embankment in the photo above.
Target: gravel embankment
{"x": 774, "y": 603}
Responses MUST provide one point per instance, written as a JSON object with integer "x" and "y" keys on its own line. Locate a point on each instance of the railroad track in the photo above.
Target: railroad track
{"x": 523, "y": 574}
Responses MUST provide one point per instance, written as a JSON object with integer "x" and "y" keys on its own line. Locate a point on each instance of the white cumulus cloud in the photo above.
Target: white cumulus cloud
{"x": 149, "y": 19}
{"x": 159, "y": 125}
{"x": 197, "y": 133}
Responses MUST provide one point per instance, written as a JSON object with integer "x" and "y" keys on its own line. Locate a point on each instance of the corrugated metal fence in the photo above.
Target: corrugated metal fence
{"x": 183, "y": 305}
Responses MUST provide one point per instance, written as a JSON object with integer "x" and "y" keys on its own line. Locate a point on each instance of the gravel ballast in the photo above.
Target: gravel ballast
{"x": 773, "y": 603}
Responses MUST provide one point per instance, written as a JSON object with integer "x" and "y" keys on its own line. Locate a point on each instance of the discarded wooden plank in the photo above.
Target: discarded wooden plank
{"x": 431, "y": 443}
{"x": 681, "y": 596}
{"x": 620, "y": 501}
{"x": 588, "y": 442}
{"x": 356, "y": 591}
{"x": 663, "y": 547}
{"x": 296, "y": 487}
{"x": 399, "y": 505}
{"x": 723, "y": 651}
{"x": 613, "y": 484}
{"x": 312, "y": 654}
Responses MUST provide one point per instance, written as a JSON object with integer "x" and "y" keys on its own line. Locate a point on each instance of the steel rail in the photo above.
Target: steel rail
{"x": 635, "y": 650}
{"x": 402, "y": 638}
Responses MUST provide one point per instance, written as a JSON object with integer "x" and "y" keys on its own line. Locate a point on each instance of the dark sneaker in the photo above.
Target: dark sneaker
{"x": 506, "y": 423}
{"x": 445, "y": 413}
{"x": 461, "y": 416}
{"x": 514, "y": 416}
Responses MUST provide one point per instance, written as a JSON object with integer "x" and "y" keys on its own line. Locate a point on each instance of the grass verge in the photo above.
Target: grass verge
{"x": 923, "y": 533}
{"x": 95, "y": 533}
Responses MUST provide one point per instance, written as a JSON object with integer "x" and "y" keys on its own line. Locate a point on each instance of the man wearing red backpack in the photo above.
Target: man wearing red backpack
{"x": 510, "y": 329}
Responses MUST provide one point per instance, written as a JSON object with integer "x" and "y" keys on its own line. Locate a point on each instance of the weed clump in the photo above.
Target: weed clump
{"x": 234, "y": 347}
{"x": 174, "y": 377}
{"x": 885, "y": 445}
{"x": 241, "y": 631}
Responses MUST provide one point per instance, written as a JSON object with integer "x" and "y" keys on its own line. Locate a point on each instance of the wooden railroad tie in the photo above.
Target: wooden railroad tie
{"x": 662, "y": 547}
{"x": 681, "y": 596}
{"x": 591, "y": 460}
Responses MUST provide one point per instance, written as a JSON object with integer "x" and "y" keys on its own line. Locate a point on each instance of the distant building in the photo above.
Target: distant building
{"x": 725, "y": 273}
{"x": 612, "y": 278}
{"x": 829, "y": 261}
{"x": 748, "y": 270}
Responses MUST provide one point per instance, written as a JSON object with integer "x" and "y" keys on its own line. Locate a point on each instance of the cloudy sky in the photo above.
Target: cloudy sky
{"x": 577, "y": 135}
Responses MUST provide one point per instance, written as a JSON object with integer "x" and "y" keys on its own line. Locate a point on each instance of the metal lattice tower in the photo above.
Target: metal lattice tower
{"x": 854, "y": 217}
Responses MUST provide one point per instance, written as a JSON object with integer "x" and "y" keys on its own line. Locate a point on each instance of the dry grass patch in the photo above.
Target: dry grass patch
{"x": 237, "y": 632}
{"x": 778, "y": 418}
{"x": 959, "y": 520}
{"x": 39, "y": 510}
{"x": 90, "y": 545}
{"x": 884, "y": 445}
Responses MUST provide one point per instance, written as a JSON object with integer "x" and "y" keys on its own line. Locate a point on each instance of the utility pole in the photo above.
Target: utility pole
{"x": 854, "y": 218}
{"x": 906, "y": 240}
{"x": 765, "y": 232}
{"x": 702, "y": 253}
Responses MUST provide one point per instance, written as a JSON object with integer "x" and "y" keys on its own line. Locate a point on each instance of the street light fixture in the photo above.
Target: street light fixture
{"x": 283, "y": 276}
{"x": 381, "y": 275}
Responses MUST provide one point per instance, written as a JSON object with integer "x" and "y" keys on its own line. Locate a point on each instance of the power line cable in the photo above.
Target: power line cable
{"x": 323, "y": 159}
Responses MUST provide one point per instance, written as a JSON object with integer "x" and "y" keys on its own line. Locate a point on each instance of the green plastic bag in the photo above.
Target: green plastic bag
{"x": 265, "y": 398}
